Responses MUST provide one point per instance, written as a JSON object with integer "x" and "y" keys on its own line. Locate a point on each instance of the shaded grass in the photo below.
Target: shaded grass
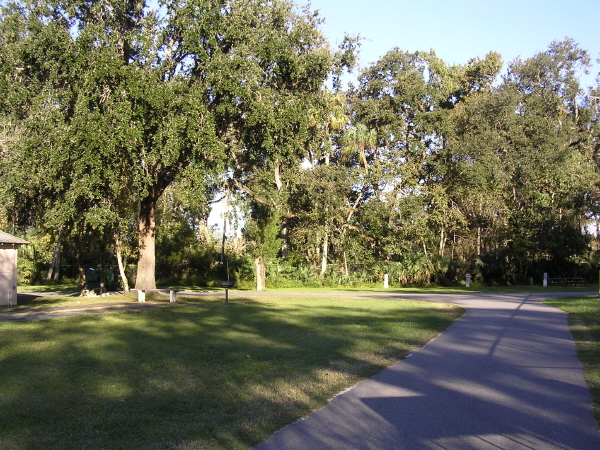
{"x": 33, "y": 301}
{"x": 584, "y": 323}
{"x": 49, "y": 287}
{"x": 201, "y": 374}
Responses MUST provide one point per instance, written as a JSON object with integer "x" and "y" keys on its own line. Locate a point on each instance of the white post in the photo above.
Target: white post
{"x": 385, "y": 281}
{"x": 545, "y": 280}
{"x": 468, "y": 281}
{"x": 141, "y": 296}
{"x": 172, "y": 296}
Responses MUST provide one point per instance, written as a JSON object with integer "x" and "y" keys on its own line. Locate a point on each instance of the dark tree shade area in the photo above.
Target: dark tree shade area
{"x": 121, "y": 122}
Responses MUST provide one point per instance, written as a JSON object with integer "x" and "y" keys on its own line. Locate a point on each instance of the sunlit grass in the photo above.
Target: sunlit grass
{"x": 199, "y": 374}
{"x": 435, "y": 289}
{"x": 27, "y": 301}
{"x": 584, "y": 322}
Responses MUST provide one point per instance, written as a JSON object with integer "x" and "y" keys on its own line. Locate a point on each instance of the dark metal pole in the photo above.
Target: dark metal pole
{"x": 224, "y": 227}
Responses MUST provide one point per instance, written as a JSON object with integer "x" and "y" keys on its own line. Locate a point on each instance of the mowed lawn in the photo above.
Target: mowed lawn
{"x": 197, "y": 374}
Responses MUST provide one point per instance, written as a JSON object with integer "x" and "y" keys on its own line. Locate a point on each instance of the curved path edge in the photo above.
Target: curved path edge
{"x": 503, "y": 376}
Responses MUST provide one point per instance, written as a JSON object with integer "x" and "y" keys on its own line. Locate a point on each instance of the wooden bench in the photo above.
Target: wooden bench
{"x": 566, "y": 281}
{"x": 141, "y": 293}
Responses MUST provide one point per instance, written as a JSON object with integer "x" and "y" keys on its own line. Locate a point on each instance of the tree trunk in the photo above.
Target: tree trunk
{"x": 597, "y": 232}
{"x": 145, "y": 278}
{"x": 346, "y": 264}
{"x": 80, "y": 268}
{"x": 453, "y": 245}
{"x": 317, "y": 248}
{"x": 363, "y": 158}
{"x": 284, "y": 240}
{"x": 259, "y": 264}
{"x": 224, "y": 228}
{"x": 118, "y": 247}
{"x": 277, "y": 174}
{"x": 103, "y": 281}
{"x": 284, "y": 230}
{"x": 324, "y": 257}
{"x": 204, "y": 234}
{"x": 55, "y": 266}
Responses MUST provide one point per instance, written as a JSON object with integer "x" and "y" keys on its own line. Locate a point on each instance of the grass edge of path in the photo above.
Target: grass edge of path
{"x": 584, "y": 325}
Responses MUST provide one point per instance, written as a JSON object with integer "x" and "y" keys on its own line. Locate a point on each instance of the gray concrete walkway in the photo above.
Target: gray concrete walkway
{"x": 504, "y": 376}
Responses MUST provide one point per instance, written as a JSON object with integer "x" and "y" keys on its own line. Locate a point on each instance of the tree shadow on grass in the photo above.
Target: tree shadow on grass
{"x": 210, "y": 376}
{"x": 42, "y": 299}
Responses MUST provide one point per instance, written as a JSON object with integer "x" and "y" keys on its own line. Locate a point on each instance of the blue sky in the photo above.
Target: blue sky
{"x": 462, "y": 29}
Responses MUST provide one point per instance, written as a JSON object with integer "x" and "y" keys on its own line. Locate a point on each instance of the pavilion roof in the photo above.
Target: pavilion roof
{"x": 6, "y": 238}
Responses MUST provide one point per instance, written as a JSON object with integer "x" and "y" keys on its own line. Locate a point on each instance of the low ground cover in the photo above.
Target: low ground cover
{"x": 584, "y": 322}
{"x": 198, "y": 374}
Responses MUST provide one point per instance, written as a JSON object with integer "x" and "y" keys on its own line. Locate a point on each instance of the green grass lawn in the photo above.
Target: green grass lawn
{"x": 54, "y": 287}
{"x": 197, "y": 374}
{"x": 434, "y": 289}
{"x": 584, "y": 322}
{"x": 48, "y": 287}
{"x": 27, "y": 301}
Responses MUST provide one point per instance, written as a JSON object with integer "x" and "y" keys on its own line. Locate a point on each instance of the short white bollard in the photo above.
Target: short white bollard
{"x": 468, "y": 281}
{"x": 385, "y": 281}
{"x": 141, "y": 296}
{"x": 172, "y": 296}
{"x": 545, "y": 280}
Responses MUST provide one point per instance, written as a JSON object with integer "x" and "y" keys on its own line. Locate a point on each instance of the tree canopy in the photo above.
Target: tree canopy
{"x": 121, "y": 118}
{"x": 117, "y": 101}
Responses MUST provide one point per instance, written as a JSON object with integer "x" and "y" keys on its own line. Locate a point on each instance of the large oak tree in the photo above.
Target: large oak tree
{"x": 116, "y": 100}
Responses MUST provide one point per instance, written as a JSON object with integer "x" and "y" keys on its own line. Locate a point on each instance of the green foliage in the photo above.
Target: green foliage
{"x": 445, "y": 173}
{"x": 262, "y": 231}
{"x": 176, "y": 376}
{"x": 28, "y": 271}
{"x": 119, "y": 124}
{"x": 119, "y": 103}
{"x": 33, "y": 259}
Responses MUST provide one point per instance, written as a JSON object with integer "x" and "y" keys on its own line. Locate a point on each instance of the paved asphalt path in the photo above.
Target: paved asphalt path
{"x": 504, "y": 376}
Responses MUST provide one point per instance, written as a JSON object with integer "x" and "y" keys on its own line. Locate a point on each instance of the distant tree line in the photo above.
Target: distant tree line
{"x": 120, "y": 125}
